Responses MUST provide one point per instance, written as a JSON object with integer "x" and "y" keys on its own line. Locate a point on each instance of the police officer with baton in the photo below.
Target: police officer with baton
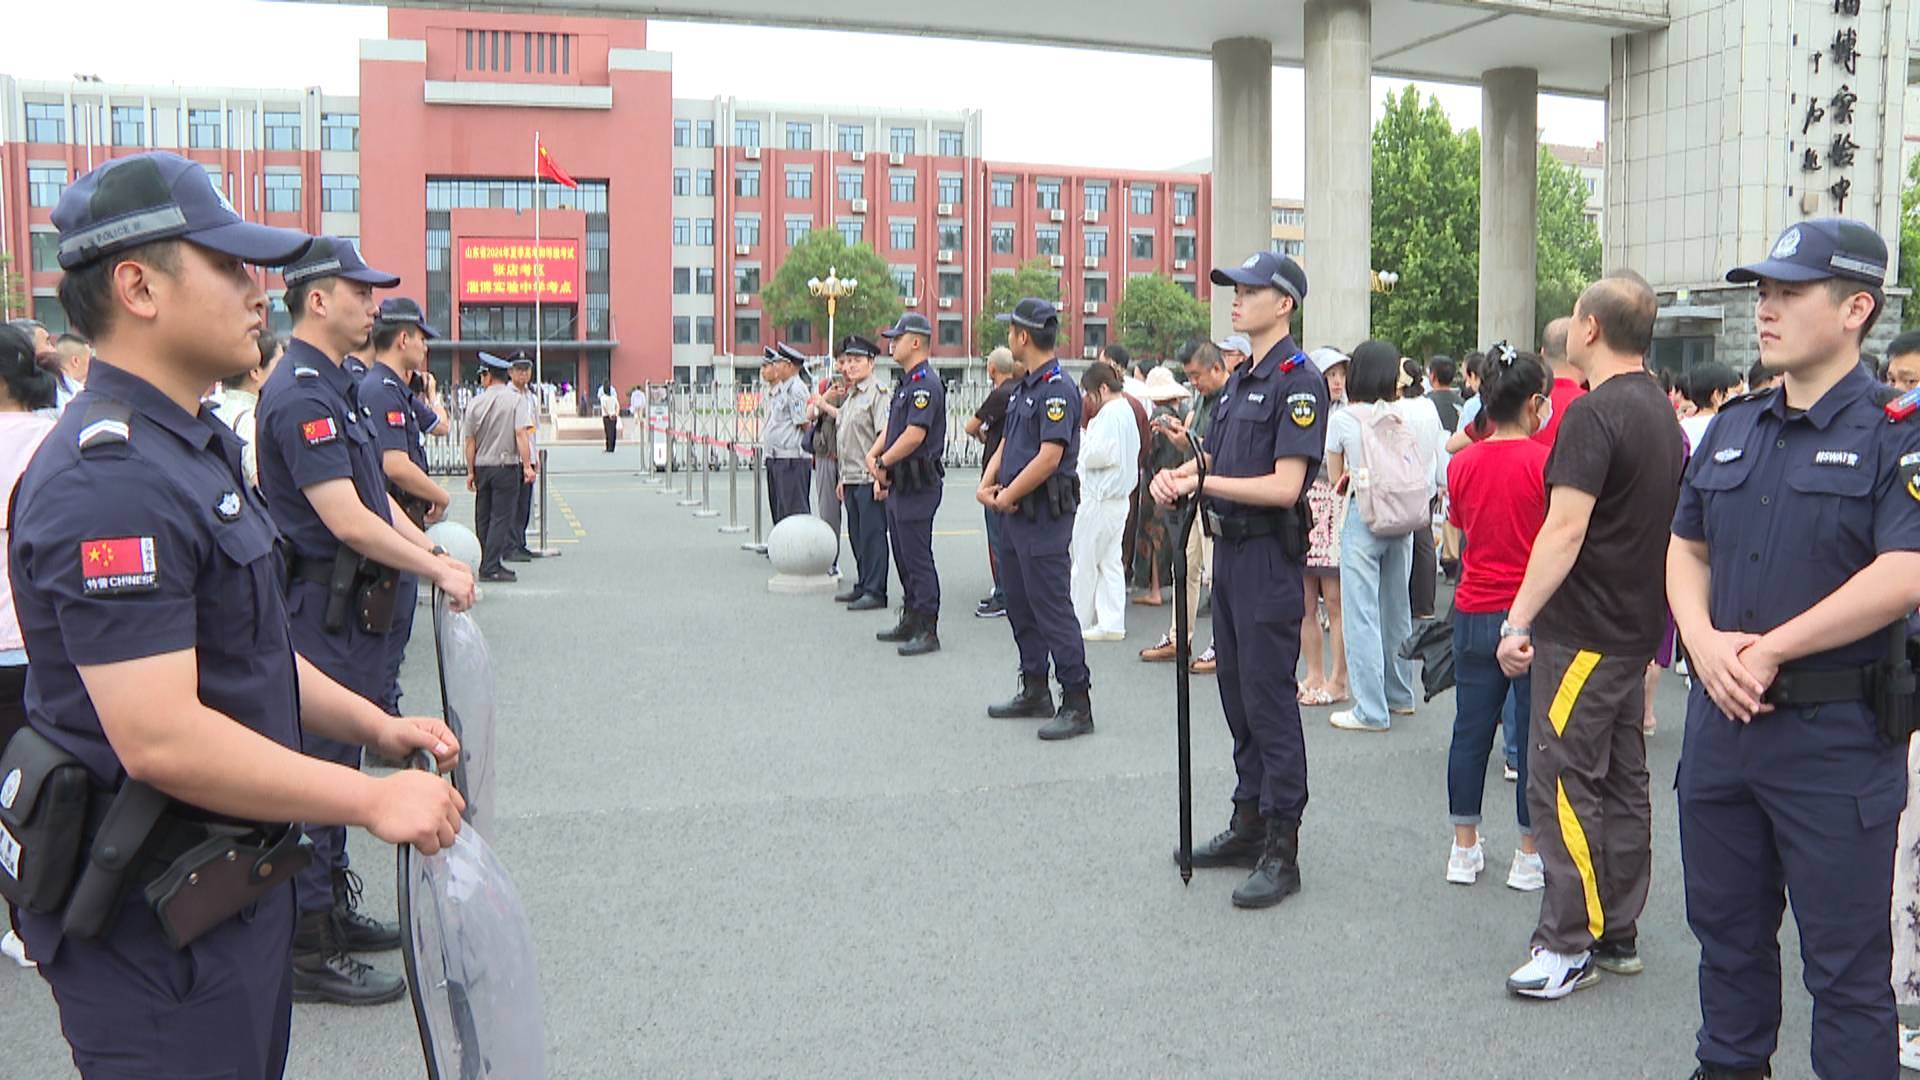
{"x": 1794, "y": 566}
{"x": 1268, "y": 435}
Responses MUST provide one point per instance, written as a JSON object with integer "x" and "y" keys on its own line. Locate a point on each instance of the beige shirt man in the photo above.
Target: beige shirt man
{"x": 492, "y": 422}
{"x": 862, "y": 417}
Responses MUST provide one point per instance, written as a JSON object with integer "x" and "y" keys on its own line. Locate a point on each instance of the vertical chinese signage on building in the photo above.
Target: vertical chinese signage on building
{"x": 501, "y": 271}
{"x": 1826, "y": 122}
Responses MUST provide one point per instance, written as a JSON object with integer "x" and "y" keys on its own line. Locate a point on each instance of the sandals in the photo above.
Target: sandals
{"x": 1316, "y": 697}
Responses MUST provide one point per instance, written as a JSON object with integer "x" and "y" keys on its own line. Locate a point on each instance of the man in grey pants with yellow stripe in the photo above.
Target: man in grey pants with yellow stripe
{"x": 1587, "y": 621}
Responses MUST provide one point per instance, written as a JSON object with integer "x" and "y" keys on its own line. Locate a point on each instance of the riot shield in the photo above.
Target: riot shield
{"x": 467, "y": 702}
{"x": 470, "y": 964}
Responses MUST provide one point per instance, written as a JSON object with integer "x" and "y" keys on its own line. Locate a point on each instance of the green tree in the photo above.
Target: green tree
{"x": 13, "y": 290}
{"x": 1567, "y": 256}
{"x": 1156, "y": 316}
{"x": 1004, "y": 289}
{"x": 873, "y": 306}
{"x": 1910, "y": 243}
{"x": 1426, "y": 227}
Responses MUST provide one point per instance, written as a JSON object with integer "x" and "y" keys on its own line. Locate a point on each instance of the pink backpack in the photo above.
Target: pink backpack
{"x": 1392, "y": 485}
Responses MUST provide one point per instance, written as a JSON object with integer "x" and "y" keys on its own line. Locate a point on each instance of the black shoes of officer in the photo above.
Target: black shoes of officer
{"x": 1277, "y": 875}
{"x": 324, "y": 972}
{"x": 1710, "y": 1072}
{"x": 1240, "y": 844}
{"x": 925, "y": 639}
{"x": 902, "y": 630}
{"x": 500, "y": 575}
{"x": 1074, "y": 718}
{"x": 868, "y": 602}
{"x": 848, "y": 596}
{"x": 518, "y": 556}
{"x": 990, "y": 609}
{"x": 1033, "y": 702}
{"x": 359, "y": 933}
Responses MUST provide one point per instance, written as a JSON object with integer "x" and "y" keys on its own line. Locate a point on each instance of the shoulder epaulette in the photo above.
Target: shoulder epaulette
{"x": 390, "y": 381}
{"x": 107, "y": 423}
{"x": 305, "y": 372}
{"x": 1744, "y": 399}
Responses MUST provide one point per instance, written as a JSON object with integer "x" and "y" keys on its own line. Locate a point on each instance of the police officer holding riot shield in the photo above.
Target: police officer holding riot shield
{"x": 1268, "y": 435}
{"x": 163, "y": 687}
{"x": 1794, "y": 565}
{"x": 907, "y": 470}
{"x": 321, "y": 473}
{"x": 1033, "y": 480}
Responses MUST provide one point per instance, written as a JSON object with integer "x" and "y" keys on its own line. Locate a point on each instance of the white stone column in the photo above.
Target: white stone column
{"x": 1242, "y": 160}
{"x": 1509, "y": 205}
{"x": 1339, "y": 161}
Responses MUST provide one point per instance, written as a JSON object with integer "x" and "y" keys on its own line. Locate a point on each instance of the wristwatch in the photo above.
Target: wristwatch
{"x": 1508, "y": 630}
{"x": 437, "y": 550}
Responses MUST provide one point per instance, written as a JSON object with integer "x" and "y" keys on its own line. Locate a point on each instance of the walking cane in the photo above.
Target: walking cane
{"x": 1183, "y": 660}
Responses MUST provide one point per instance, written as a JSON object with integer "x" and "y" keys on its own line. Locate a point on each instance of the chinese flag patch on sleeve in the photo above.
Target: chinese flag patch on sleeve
{"x": 121, "y": 565}
{"x": 395, "y": 418}
{"x": 319, "y": 432}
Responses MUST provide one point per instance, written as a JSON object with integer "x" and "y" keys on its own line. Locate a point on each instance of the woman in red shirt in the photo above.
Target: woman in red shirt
{"x": 1499, "y": 501}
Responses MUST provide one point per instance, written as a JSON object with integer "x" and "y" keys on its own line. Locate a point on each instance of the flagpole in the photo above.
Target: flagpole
{"x": 539, "y": 197}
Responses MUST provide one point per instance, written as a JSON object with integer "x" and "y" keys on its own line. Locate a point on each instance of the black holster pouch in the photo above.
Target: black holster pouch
{"x": 375, "y": 597}
{"x": 44, "y": 797}
{"x": 120, "y": 839}
{"x": 414, "y": 507}
{"x": 218, "y": 877}
{"x": 341, "y": 583}
{"x": 1296, "y": 536}
{"x": 1058, "y": 496}
{"x": 1894, "y": 687}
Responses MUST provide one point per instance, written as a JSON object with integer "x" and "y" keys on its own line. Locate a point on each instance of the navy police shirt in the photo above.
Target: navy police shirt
{"x": 1045, "y": 407}
{"x": 1271, "y": 409}
{"x": 397, "y": 423}
{"x": 1791, "y": 504}
{"x": 313, "y": 428}
{"x": 135, "y": 534}
{"x": 919, "y": 401}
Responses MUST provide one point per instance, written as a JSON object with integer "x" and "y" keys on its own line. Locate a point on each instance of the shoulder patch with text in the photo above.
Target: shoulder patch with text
{"x": 118, "y": 565}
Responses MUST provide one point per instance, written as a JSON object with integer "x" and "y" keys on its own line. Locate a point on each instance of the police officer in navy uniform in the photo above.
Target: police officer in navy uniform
{"x": 321, "y": 473}
{"x": 1268, "y": 436}
{"x": 907, "y": 469}
{"x": 1033, "y": 480}
{"x": 148, "y": 588}
{"x": 400, "y": 336}
{"x": 1794, "y": 565}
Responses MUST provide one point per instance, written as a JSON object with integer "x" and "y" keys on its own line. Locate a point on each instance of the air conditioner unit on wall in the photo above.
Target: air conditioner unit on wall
{"x": 911, "y": 301}
{"x": 946, "y": 256}
{"x": 896, "y": 159}
{"x": 742, "y": 249}
{"x": 1090, "y": 216}
{"x": 1058, "y": 215}
{"x": 1058, "y": 261}
{"x": 1091, "y": 307}
{"x": 945, "y": 209}
{"x": 859, "y": 206}
{"x": 1179, "y": 264}
{"x": 1091, "y": 262}
{"x": 1090, "y": 352}
{"x": 1179, "y": 219}
{"x": 752, "y": 153}
{"x": 859, "y": 155}
{"x": 741, "y": 299}
{"x": 946, "y": 302}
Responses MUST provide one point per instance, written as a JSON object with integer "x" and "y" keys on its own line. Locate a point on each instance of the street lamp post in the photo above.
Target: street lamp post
{"x": 833, "y": 288}
{"x": 1382, "y": 281}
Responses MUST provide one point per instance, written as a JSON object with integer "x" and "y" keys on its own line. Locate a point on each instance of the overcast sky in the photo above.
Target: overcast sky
{"x": 1153, "y": 111}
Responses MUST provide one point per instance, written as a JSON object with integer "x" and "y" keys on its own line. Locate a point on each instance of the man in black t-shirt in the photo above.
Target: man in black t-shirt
{"x": 1587, "y": 621}
{"x": 989, "y": 424}
{"x": 1446, "y": 400}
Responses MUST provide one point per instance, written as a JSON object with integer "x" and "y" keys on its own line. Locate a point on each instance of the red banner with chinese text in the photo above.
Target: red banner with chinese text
{"x": 499, "y": 271}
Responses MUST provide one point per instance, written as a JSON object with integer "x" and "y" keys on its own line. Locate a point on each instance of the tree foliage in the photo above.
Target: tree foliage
{"x": 1910, "y": 243}
{"x": 873, "y": 306}
{"x": 1567, "y": 255}
{"x": 1033, "y": 278}
{"x": 1426, "y": 227}
{"x": 13, "y": 290}
{"x": 1156, "y": 316}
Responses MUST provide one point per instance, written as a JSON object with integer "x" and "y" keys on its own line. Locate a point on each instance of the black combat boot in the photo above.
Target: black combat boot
{"x": 1714, "y": 1072}
{"x": 1277, "y": 875}
{"x": 926, "y": 637}
{"x": 324, "y": 972}
{"x": 1033, "y": 702}
{"x": 1239, "y": 845}
{"x": 902, "y": 630}
{"x": 1074, "y": 718}
{"x": 359, "y": 933}
{"x": 847, "y": 595}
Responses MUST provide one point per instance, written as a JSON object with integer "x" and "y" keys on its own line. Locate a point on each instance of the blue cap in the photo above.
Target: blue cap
{"x": 492, "y": 362}
{"x": 1820, "y": 249}
{"x": 1266, "y": 269}
{"x": 396, "y": 310}
{"x": 139, "y": 199}
{"x": 910, "y": 323}
{"x": 331, "y": 256}
{"x": 1031, "y": 313}
{"x": 855, "y": 345}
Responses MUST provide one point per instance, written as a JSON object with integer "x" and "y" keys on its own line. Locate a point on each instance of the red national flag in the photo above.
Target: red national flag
{"x": 551, "y": 171}
{"x": 117, "y": 564}
{"x": 319, "y": 432}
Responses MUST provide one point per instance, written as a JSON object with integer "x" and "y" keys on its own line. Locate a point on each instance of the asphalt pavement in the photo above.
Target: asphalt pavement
{"x": 754, "y": 842}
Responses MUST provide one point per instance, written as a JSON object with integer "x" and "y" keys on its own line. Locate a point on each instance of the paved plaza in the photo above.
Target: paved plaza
{"x": 754, "y": 842}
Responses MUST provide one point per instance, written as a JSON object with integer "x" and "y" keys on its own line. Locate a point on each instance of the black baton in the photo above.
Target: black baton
{"x": 1183, "y": 659}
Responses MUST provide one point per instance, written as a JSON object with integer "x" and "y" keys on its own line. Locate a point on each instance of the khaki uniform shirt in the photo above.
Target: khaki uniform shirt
{"x": 862, "y": 417}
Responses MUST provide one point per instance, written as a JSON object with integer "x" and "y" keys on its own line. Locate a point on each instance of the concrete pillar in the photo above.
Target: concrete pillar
{"x": 1509, "y": 204}
{"x": 1339, "y": 160}
{"x": 1242, "y": 160}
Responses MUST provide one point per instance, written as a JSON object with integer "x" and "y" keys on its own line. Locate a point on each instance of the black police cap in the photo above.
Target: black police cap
{"x": 401, "y": 310}
{"x": 1032, "y": 313}
{"x": 1820, "y": 249}
{"x": 154, "y": 196}
{"x": 332, "y": 256}
{"x": 910, "y": 323}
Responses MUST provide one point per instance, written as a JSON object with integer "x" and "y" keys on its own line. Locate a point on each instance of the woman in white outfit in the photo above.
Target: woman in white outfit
{"x": 1109, "y": 453}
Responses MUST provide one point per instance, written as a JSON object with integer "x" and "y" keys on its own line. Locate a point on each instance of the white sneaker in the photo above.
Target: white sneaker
{"x": 1348, "y": 720}
{"x": 1464, "y": 864}
{"x": 1528, "y": 874}
{"x": 1103, "y": 635}
{"x": 15, "y": 950}
{"x": 1550, "y": 976}
{"x": 1508, "y": 773}
{"x": 1909, "y": 1047}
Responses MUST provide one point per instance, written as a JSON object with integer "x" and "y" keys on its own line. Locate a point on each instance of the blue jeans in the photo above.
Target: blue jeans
{"x": 1514, "y": 725}
{"x": 1373, "y": 590}
{"x": 1479, "y": 689}
{"x": 996, "y": 551}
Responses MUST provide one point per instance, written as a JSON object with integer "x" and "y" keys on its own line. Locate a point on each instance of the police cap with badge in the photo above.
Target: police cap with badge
{"x": 1032, "y": 313}
{"x": 403, "y": 311}
{"x": 332, "y": 256}
{"x": 1266, "y": 269}
{"x": 910, "y": 323}
{"x": 855, "y": 345}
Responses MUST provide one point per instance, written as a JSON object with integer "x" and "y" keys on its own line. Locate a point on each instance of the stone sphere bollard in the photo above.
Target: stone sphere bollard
{"x": 458, "y": 540}
{"x": 801, "y": 549}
